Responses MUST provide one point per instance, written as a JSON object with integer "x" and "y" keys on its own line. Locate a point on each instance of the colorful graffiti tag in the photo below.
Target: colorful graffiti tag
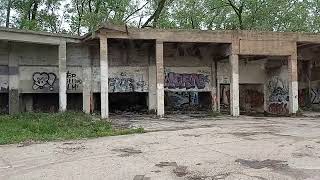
{"x": 185, "y": 81}
{"x": 43, "y": 80}
{"x": 278, "y": 96}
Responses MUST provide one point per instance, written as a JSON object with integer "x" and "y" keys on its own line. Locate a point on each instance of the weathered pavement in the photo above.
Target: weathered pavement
{"x": 178, "y": 147}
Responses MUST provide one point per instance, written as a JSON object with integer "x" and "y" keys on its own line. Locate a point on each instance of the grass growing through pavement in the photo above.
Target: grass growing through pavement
{"x": 60, "y": 126}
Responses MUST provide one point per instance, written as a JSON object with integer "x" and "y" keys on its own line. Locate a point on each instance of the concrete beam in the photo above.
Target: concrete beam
{"x": 62, "y": 76}
{"x": 293, "y": 82}
{"x": 104, "y": 75}
{"x": 14, "y": 96}
{"x": 160, "y": 78}
{"x": 34, "y": 37}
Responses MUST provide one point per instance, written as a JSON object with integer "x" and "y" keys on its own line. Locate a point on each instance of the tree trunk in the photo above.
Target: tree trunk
{"x": 155, "y": 16}
{"x": 8, "y": 13}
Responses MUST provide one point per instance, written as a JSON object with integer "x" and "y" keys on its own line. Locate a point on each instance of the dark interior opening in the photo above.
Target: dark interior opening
{"x": 46, "y": 102}
{"x": 96, "y": 103}
{"x": 225, "y": 98}
{"x": 187, "y": 101}
{"x": 251, "y": 98}
{"x": 74, "y": 102}
{"x": 4, "y": 103}
{"x": 128, "y": 102}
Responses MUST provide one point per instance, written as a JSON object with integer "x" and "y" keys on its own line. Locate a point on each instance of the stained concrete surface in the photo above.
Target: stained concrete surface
{"x": 178, "y": 147}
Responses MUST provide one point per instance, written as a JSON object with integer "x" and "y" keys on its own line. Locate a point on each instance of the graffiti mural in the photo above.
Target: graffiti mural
{"x": 127, "y": 83}
{"x": 181, "y": 100}
{"x": 43, "y": 80}
{"x": 4, "y": 85}
{"x": 73, "y": 81}
{"x": 278, "y": 96}
{"x": 185, "y": 81}
{"x": 315, "y": 96}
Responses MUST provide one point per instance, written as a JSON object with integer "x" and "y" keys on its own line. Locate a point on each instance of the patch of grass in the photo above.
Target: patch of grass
{"x": 59, "y": 126}
{"x": 214, "y": 114}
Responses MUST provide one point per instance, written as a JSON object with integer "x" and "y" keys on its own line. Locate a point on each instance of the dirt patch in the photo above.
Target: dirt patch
{"x": 27, "y": 143}
{"x": 72, "y": 147}
{"x": 167, "y": 164}
{"x": 191, "y": 135}
{"x": 180, "y": 171}
{"x": 126, "y": 152}
{"x": 271, "y": 164}
{"x": 141, "y": 177}
{"x": 301, "y": 155}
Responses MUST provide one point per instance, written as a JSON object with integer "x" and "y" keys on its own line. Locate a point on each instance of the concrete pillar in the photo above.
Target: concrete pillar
{"x": 160, "y": 78}
{"x": 234, "y": 85}
{"x": 293, "y": 83}
{"x": 87, "y": 82}
{"x": 63, "y": 76}
{"x": 14, "y": 104}
{"x": 104, "y": 70}
{"x": 214, "y": 86}
{"x": 152, "y": 97}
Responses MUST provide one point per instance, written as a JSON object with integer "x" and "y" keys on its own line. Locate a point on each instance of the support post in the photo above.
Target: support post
{"x": 104, "y": 75}
{"x": 214, "y": 86}
{"x": 14, "y": 96}
{"x": 62, "y": 76}
{"x": 160, "y": 78}
{"x": 293, "y": 82}
{"x": 152, "y": 95}
{"x": 86, "y": 84}
{"x": 234, "y": 85}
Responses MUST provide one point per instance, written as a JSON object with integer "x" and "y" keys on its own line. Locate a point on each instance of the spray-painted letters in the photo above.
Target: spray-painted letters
{"x": 182, "y": 99}
{"x": 127, "y": 83}
{"x": 73, "y": 81}
{"x": 43, "y": 80}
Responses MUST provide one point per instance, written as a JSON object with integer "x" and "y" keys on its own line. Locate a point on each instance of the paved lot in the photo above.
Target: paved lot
{"x": 178, "y": 147}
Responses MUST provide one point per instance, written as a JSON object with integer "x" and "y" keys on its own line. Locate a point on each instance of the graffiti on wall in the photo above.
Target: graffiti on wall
{"x": 182, "y": 99}
{"x": 4, "y": 85}
{"x": 315, "y": 96}
{"x": 127, "y": 83}
{"x": 278, "y": 96}
{"x": 254, "y": 97}
{"x": 42, "y": 80}
{"x": 73, "y": 81}
{"x": 186, "y": 81}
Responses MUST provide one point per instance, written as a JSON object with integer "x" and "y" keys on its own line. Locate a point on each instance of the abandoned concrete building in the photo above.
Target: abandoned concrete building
{"x": 127, "y": 69}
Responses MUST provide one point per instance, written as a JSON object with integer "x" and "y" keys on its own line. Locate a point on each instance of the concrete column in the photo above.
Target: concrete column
{"x": 87, "y": 82}
{"x": 152, "y": 97}
{"x": 63, "y": 76}
{"x": 104, "y": 70}
{"x": 214, "y": 86}
{"x": 234, "y": 85}
{"x": 14, "y": 104}
{"x": 160, "y": 78}
{"x": 293, "y": 83}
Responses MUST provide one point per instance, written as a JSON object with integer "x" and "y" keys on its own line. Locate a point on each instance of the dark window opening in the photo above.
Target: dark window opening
{"x": 187, "y": 101}
{"x": 4, "y": 103}
{"x": 128, "y": 102}
{"x": 46, "y": 102}
{"x": 74, "y": 102}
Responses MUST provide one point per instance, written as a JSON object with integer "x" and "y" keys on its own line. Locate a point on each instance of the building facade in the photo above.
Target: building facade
{"x": 127, "y": 69}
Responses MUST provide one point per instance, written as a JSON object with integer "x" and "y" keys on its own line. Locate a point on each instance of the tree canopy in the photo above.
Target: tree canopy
{"x": 82, "y": 16}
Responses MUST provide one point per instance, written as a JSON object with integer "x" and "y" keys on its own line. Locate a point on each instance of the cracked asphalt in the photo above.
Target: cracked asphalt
{"x": 191, "y": 147}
